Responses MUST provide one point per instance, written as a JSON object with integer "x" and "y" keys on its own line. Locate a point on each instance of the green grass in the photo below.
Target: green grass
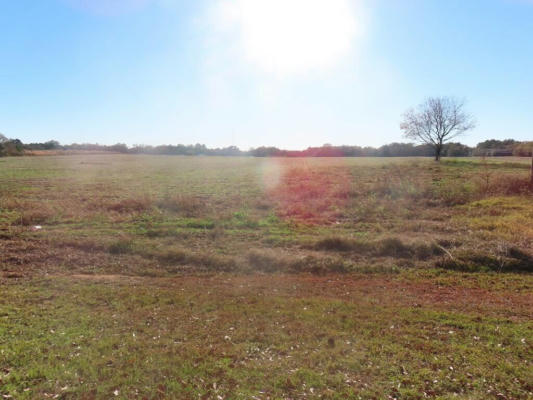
{"x": 186, "y": 338}
{"x": 238, "y": 278}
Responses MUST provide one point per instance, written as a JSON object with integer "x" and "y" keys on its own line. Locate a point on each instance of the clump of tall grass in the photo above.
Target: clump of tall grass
{"x": 132, "y": 205}
{"x": 270, "y": 261}
{"x": 512, "y": 259}
{"x": 28, "y": 212}
{"x": 386, "y": 247}
{"x": 122, "y": 246}
{"x": 186, "y": 205}
{"x": 510, "y": 185}
{"x": 337, "y": 243}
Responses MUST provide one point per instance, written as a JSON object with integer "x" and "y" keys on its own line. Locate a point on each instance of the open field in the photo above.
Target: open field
{"x": 236, "y": 278}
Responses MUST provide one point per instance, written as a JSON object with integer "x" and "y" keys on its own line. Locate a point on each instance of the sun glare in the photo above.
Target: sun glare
{"x": 295, "y": 36}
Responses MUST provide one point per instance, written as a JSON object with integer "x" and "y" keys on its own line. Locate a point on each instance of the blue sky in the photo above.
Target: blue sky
{"x": 289, "y": 73}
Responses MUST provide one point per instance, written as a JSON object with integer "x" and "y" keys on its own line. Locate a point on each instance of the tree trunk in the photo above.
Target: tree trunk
{"x": 438, "y": 149}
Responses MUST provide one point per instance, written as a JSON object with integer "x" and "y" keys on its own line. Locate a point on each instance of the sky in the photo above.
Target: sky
{"x": 285, "y": 73}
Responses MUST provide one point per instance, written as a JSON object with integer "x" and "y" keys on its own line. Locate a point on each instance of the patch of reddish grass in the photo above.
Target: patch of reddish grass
{"x": 312, "y": 195}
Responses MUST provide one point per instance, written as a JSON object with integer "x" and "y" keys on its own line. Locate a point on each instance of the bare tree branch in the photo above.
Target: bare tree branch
{"x": 436, "y": 121}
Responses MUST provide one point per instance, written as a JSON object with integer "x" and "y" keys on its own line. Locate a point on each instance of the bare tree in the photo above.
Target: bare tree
{"x": 436, "y": 121}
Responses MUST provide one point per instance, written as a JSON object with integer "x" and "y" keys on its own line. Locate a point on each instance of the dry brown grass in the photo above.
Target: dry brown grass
{"x": 510, "y": 184}
{"x": 28, "y": 212}
{"x": 327, "y": 268}
{"x": 387, "y": 247}
{"x": 132, "y": 205}
{"x": 183, "y": 204}
{"x": 366, "y": 212}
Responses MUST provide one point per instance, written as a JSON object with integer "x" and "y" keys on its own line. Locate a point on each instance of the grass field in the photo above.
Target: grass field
{"x": 233, "y": 278}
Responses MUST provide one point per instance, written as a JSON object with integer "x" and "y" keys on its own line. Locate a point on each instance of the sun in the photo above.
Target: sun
{"x": 295, "y": 36}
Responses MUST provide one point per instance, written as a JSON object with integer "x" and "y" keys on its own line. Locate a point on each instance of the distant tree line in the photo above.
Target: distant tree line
{"x": 388, "y": 150}
{"x": 10, "y": 147}
{"x": 495, "y": 148}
